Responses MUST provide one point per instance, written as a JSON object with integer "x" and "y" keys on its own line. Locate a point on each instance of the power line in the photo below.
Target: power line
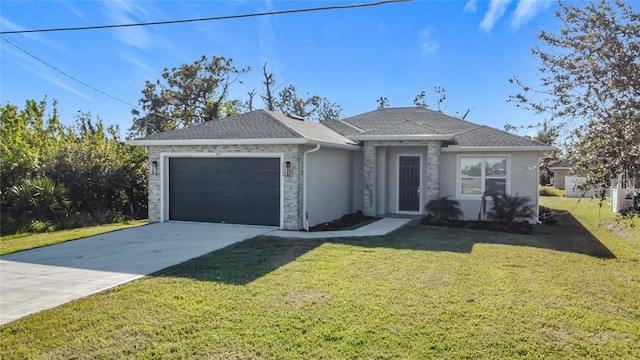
{"x": 80, "y": 81}
{"x": 227, "y": 17}
{"x": 65, "y": 74}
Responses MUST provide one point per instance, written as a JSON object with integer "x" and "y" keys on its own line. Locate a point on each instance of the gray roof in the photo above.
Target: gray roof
{"x": 421, "y": 121}
{"x": 257, "y": 124}
{"x": 487, "y": 136}
{"x": 376, "y": 119}
{"x": 566, "y": 164}
{"x": 264, "y": 126}
{"x": 341, "y": 127}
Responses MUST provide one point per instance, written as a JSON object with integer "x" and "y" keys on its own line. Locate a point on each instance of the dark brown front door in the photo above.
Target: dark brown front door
{"x": 409, "y": 182}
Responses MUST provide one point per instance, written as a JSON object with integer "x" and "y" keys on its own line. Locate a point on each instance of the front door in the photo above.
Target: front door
{"x": 409, "y": 184}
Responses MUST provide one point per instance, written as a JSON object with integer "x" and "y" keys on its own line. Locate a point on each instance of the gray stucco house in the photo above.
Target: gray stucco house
{"x": 266, "y": 168}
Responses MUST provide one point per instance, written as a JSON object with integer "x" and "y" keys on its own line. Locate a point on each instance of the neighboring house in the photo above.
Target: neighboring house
{"x": 566, "y": 178}
{"x": 266, "y": 168}
{"x": 560, "y": 171}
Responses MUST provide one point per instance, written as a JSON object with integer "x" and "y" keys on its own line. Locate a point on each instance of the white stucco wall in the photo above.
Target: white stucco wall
{"x": 522, "y": 178}
{"x": 330, "y": 184}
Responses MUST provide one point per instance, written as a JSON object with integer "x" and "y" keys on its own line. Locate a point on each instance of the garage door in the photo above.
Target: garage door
{"x": 227, "y": 190}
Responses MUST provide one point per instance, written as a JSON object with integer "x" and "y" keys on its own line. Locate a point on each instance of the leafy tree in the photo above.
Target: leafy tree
{"x": 590, "y": 86}
{"x": 383, "y": 102}
{"x": 105, "y": 178}
{"x": 27, "y": 138}
{"x": 421, "y": 100}
{"x": 55, "y": 176}
{"x": 190, "y": 94}
{"x": 314, "y": 108}
{"x": 548, "y": 134}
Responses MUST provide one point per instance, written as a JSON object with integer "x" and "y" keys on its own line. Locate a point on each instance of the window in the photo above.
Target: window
{"x": 478, "y": 175}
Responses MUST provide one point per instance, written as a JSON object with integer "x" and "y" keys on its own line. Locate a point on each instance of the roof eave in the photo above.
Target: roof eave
{"x": 443, "y": 137}
{"x": 277, "y": 141}
{"x": 458, "y": 148}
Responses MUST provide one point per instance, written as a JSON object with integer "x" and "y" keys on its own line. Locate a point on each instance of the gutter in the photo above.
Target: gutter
{"x": 271, "y": 141}
{"x": 304, "y": 187}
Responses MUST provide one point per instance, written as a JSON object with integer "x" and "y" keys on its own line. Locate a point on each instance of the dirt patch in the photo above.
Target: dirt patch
{"x": 346, "y": 222}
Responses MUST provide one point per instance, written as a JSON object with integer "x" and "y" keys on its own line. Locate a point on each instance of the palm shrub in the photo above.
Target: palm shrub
{"x": 510, "y": 208}
{"x": 35, "y": 201}
{"x": 444, "y": 209}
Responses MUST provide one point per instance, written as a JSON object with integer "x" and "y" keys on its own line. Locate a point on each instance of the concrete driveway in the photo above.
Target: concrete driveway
{"x": 43, "y": 278}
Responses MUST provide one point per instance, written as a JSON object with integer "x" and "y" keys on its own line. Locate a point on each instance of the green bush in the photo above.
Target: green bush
{"x": 37, "y": 205}
{"x": 510, "y": 208}
{"x": 444, "y": 209}
{"x": 547, "y": 191}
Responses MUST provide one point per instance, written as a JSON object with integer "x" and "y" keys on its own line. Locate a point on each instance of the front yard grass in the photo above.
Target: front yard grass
{"x": 420, "y": 292}
{"x": 12, "y": 243}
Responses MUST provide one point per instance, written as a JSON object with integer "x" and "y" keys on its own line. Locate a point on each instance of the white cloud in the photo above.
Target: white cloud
{"x": 526, "y": 10}
{"x": 471, "y": 6}
{"x": 426, "y": 43}
{"x": 495, "y": 12}
{"x": 125, "y": 12}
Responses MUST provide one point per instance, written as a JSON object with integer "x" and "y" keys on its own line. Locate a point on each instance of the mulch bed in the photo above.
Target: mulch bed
{"x": 346, "y": 222}
{"x": 514, "y": 227}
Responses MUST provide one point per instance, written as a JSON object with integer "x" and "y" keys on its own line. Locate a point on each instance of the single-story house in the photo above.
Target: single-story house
{"x": 267, "y": 168}
{"x": 560, "y": 171}
{"x": 565, "y": 177}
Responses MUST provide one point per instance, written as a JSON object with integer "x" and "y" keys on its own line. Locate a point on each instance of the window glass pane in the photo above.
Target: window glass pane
{"x": 495, "y": 185}
{"x": 495, "y": 167}
{"x": 470, "y": 167}
{"x": 471, "y": 186}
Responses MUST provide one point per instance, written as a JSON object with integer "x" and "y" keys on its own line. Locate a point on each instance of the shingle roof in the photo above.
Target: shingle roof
{"x": 486, "y": 136}
{"x": 264, "y": 125}
{"x": 421, "y": 121}
{"x": 258, "y": 124}
{"x": 388, "y": 116}
{"x": 564, "y": 164}
{"x": 407, "y": 127}
{"x": 341, "y": 127}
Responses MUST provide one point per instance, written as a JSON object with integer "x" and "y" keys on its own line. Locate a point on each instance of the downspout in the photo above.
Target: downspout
{"x": 537, "y": 215}
{"x": 304, "y": 187}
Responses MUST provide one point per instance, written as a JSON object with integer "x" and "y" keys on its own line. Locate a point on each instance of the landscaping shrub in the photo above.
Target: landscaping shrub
{"x": 37, "y": 205}
{"x": 444, "y": 209}
{"x": 547, "y": 191}
{"x": 510, "y": 208}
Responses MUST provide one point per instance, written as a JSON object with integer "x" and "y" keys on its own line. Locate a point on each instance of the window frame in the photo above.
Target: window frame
{"x": 483, "y": 158}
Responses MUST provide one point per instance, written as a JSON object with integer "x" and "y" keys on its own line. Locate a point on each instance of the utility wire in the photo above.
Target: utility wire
{"x": 80, "y": 81}
{"x": 65, "y": 74}
{"x": 227, "y": 17}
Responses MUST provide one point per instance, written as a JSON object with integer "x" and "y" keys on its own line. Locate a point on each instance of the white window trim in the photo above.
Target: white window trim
{"x": 461, "y": 196}
{"x": 421, "y": 191}
{"x": 163, "y": 170}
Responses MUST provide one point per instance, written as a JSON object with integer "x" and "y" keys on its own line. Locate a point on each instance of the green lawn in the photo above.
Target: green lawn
{"x": 13, "y": 243}
{"x": 420, "y": 292}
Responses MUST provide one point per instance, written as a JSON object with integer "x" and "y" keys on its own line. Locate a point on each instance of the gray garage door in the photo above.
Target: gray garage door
{"x": 228, "y": 190}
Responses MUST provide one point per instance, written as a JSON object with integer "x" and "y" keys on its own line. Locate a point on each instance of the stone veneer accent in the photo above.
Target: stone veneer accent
{"x": 291, "y": 186}
{"x": 369, "y": 171}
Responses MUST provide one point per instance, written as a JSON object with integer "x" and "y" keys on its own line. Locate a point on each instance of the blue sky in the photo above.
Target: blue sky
{"x": 352, "y": 57}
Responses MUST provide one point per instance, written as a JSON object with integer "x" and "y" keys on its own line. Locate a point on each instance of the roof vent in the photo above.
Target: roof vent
{"x": 295, "y": 117}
